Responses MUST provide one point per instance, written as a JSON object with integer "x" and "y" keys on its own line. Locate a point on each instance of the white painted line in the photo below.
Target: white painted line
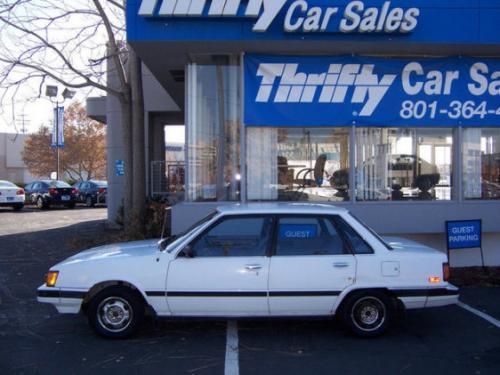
{"x": 232, "y": 366}
{"x": 481, "y": 314}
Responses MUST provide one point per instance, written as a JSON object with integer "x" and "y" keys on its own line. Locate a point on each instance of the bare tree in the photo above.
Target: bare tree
{"x": 72, "y": 42}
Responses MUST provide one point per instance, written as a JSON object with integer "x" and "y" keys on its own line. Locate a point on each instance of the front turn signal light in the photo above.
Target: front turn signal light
{"x": 52, "y": 278}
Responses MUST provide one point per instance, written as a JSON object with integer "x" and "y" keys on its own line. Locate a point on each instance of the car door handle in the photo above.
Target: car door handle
{"x": 253, "y": 267}
{"x": 340, "y": 265}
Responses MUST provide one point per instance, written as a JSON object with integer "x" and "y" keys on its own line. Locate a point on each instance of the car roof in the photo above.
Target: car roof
{"x": 281, "y": 208}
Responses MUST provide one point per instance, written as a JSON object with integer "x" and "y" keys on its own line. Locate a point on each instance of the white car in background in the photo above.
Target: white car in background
{"x": 254, "y": 260}
{"x": 11, "y": 195}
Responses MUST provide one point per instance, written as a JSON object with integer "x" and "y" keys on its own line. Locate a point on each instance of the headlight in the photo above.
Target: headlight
{"x": 52, "y": 278}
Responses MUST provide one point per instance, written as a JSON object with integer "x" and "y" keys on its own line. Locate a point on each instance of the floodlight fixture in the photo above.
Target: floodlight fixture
{"x": 51, "y": 91}
{"x": 68, "y": 94}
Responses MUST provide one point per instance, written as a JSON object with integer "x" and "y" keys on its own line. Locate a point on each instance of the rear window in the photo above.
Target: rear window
{"x": 101, "y": 183}
{"x": 7, "y": 184}
{"x": 388, "y": 247}
{"x": 58, "y": 184}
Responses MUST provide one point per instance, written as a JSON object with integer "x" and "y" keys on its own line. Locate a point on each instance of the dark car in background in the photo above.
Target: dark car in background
{"x": 91, "y": 192}
{"x": 45, "y": 193}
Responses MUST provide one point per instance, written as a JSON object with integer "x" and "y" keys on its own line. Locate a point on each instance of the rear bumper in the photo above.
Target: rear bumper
{"x": 66, "y": 301}
{"x": 4, "y": 201}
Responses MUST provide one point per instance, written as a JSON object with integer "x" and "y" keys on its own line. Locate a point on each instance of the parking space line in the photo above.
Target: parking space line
{"x": 481, "y": 314}
{"x": 231, "y": 366}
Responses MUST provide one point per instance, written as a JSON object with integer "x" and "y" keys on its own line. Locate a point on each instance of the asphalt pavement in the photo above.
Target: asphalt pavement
{"x": 35, "y": 339}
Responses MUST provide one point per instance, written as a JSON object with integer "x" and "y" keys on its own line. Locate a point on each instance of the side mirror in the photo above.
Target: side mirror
{"x": 187, "y": 252}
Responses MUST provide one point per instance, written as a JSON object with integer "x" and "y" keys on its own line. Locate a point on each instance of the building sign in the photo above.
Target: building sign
{"x": 299, "y": 15}
{"x": 119, "y": 168}
{"x": 419, "y": 21}
{"x": 367, "y": 91}
{"x": 58, "y": 128}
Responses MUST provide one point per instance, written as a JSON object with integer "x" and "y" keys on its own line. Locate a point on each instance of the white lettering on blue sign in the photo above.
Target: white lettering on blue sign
{"x": 333, "y": 86}
{"x": 300, "y": 15}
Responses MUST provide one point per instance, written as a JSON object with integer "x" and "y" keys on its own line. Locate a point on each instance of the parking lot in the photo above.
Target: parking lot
{"x": 35, "y": 339}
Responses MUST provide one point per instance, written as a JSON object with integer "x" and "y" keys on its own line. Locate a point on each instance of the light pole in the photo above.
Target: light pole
{"x": 51, "y": 92}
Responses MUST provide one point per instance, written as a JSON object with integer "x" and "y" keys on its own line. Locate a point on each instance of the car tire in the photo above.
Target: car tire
{"x": 89, "y": 202}
{"x": 115, "y": 312}
{"x": 18, "y": 207}
{"x": 41, "y": 204}
{"x": 368, "y": 314}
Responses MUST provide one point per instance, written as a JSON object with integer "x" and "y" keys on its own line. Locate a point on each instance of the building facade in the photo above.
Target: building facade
{"x": 388, "y": 108}
{"x": 12, "y": 167}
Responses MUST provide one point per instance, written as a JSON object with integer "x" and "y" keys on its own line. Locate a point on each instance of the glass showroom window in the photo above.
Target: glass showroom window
{"x": 298, "y": 164}
{"x": 213, "y": 131}
{"x": 403, "y": 164}
{"x": 481, "y": 163}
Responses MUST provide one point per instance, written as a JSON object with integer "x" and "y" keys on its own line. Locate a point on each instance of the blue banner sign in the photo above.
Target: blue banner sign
{"x": 368, "y": 91}
{"x": 58, "y": 128}
{"x": 422, "y": 21}
{"x": 463, "y": 234}
{"x": 298, "y": 231}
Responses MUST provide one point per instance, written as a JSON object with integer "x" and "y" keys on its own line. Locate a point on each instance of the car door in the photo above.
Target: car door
{"x": 227, "y": 274}
{"x": 310, "y": 266}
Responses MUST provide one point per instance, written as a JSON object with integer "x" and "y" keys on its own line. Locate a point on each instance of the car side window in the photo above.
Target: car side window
{"x": 308, "y": 236}
{"x": 358, "y": 244}
{"x": 235, "y": 237}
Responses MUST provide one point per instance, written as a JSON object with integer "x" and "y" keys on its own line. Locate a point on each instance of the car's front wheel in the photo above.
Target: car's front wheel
{"x": 368, "y": 314}
{"x": 115, "y": 312}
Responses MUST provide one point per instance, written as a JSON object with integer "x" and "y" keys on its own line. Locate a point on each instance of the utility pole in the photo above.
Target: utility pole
{"x": 22, "y": 122}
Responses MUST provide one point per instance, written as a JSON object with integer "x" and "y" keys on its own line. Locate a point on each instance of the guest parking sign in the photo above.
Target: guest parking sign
{"x": 464, "y": 234}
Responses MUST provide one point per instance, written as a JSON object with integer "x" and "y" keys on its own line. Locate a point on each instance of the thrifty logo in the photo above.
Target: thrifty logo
{"x": 299, "y": 15}
{"x": 282, "y": 83}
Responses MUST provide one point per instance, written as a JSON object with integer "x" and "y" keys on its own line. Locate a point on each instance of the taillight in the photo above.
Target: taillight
{"x": 446, "y": 271}
{"x": 53, "y": 191}
{"x": 102, "y": 190}
{"x": 20, "y": 192}
{"x": 74, "y": 191}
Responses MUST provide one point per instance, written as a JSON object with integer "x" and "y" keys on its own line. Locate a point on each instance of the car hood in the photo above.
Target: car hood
{"x": 114, "y": 252}
{"x": 405, "y": 245}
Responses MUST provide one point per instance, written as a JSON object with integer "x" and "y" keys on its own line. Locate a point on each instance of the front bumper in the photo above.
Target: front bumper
{"x": 66, "y": 301}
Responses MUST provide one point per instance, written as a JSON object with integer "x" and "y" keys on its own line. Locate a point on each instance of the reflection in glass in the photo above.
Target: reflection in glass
{"x": 213, "y": 131}
{"x": 403, "y": 164}
{"x": 481, "y": 163}
{"x": 297, "y": 164}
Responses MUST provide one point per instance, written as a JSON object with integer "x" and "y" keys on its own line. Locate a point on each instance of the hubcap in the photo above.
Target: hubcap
{"x": 368, "y": 313}
{"x": 114, "y": 314}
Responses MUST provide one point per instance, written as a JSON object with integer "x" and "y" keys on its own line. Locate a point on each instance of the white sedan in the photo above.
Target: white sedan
{"x": 255, "y": 260}
{"x": 11, "y": 195}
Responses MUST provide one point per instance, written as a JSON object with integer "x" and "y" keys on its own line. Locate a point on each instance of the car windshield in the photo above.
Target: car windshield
{"x": 375, "y": 234}
{"x": 7, "y": 184}
{"x": 177, "y": 237}
{"x": 58, "y": 184}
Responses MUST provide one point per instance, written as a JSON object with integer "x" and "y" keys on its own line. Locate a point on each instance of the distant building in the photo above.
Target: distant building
{"x": 12, "y": 167}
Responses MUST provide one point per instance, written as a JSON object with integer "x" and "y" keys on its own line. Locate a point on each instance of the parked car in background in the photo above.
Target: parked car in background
{"x": 11, "y": 195}
{"x": 91, "y": 192}
{"x": 45, "y": 193}
{"x": 255, "y": 260}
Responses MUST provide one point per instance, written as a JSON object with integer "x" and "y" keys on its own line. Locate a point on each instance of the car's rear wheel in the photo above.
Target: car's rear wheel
{"x": 89, "y": 202}
{"x": 115, "y": 312}
{"x": 368, "y": 314}
{"x": 41, "y": 204}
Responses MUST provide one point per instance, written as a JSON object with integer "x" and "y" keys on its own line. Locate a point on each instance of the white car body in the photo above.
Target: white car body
{"x": 243, "y": 286}
{"x": 9, "y": 194}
